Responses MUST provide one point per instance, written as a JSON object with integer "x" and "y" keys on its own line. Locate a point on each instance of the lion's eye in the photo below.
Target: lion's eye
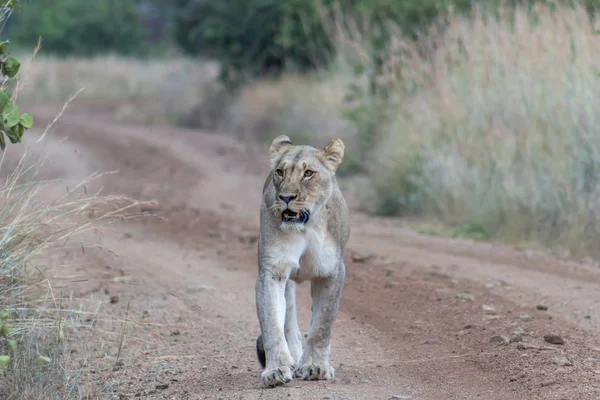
{"x": 308, "y": 173}
{"x": 279, "y": 172}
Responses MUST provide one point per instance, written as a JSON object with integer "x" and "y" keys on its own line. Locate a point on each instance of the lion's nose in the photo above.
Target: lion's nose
{"x": 287, "y": 199}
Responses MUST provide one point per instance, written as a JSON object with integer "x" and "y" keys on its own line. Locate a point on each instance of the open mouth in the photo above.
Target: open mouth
{"x": 298, "y": 217}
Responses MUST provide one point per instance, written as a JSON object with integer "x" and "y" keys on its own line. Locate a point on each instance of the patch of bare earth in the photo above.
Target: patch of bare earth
{"x": 421, "y": 318}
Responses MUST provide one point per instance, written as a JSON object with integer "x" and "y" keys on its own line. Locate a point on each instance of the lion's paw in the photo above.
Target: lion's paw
{"x": 313, "y": 372}
{"x": 277, "y": 376}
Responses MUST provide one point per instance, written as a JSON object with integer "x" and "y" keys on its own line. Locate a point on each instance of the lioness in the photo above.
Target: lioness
{"x": 304, "y": 229}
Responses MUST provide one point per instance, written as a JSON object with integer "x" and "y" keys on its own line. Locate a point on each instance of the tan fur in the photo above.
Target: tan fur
{"x": 292, "y": 252}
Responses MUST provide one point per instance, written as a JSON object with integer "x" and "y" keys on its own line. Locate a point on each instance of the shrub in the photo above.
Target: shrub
{"x": 255, "y": 37}
{"x": 84, "y": 28}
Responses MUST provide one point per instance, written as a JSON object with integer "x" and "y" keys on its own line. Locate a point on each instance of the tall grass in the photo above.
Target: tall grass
{"x": 491, "y": 127}
{"x": 39, "y": 218}
{"x": 496, "y": 128}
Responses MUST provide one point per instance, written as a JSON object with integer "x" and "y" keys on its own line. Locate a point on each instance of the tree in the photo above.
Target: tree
{"x": 85, "y": 28}
{"x": 253, "y": 37}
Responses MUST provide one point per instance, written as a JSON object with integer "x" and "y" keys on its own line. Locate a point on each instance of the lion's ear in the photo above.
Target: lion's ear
{"x": 279, "y": 145}
{"x": 333, "y": 153}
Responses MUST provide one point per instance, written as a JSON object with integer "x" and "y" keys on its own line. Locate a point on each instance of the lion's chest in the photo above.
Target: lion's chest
{"x": 318, "y": 257}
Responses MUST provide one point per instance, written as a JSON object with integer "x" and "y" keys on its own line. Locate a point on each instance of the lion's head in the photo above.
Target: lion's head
{"x": 303, "y": 178}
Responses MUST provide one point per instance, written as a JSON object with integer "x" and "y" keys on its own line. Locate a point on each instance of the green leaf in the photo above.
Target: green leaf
{"x": 26, "y": 120}
{"x": 4, "y": 330}
{"x": 4, "y": 99}
{"x": 12, "y": 344}
{"x": 2, "y": 45}
{"x": 11, "y": 66}
{"x": 3, "y": 315}
{"x": 15, "y": 134}
{"x": 4, "y": 360}
{"x": 41, "y": 360}
{"x": 10, "y": 115}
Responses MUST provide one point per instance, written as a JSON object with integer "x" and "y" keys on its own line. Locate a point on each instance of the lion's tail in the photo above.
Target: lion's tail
{"x": 260, "y": 351}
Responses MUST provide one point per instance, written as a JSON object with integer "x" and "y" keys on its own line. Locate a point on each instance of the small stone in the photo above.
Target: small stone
{"x": 361, "y": 257}
{"x": 501, "y": 339}
{"x": 553, "y": 339}
{"x": 389, "y": 284}
{"x": 114, "y": 299}
{"x": 542, "y": 307}
{"x": 176, "y": 332}
{"x": 525, "y": 317}
{"x": 466, "y": 296}
{"x": 488, "y": 308}
{"x": 401, "y": 396}
{"x": 363, "y": 380}
{"x": 563, "y": 361}
{"x": 162, "y": 386}
{"x": 525, "y": 346}
{"x": 516, "y": 339}
{"x": 519, "y": 331}
{"x": 431, "y": 341}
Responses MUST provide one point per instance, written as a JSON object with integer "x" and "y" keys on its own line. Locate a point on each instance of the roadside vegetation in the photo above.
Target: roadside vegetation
{"x": 477, "y": 120}
{"x": 40, "y": 222}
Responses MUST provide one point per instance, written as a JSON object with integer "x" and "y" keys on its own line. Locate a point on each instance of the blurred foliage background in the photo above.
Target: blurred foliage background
{"x": 478, "y": 116}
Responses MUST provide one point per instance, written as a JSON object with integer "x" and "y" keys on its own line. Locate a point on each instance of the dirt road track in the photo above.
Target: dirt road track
{"x": 405, "y": 326}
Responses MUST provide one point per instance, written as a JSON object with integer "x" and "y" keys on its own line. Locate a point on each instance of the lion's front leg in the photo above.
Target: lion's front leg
{"x": 326, "y": 295}
{"x": 271, "y": 307}
{"x": 292, "y": 330}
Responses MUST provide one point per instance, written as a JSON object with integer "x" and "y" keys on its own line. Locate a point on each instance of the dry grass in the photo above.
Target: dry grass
{"x": 496, "y": 130}
{"x": 492, "y": 132}
{"x": 39, "y": 220}
{"x": 149, "y": 91}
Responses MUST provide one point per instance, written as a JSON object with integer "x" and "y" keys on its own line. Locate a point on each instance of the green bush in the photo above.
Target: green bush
{"x": 261, "y": 37}
{"x": 85, "y": 28}
{"x": 253, "y": 37}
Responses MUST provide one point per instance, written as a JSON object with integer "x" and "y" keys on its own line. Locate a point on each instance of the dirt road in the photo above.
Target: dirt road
{"x": 421, "y": 317}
